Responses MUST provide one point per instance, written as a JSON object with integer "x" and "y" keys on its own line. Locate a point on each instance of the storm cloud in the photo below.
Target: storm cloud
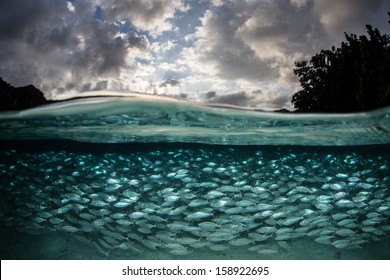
{"x": 60, "y": 46}
{"x": 244, "y": 51}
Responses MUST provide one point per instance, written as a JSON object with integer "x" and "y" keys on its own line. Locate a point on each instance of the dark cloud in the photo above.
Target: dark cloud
{"x": 232, "y": 47}
{"x": 152, "y": 16}
{"x": 20, "y": 17}
{"x": 104, "y": 51}
{"x": 210, "y": 94}
{"x": 27, "y": 33}
{"x": 57, "y": 48}
{"x": 238, "y": 99}
{"x": 138, "y": 41}
{"x": 170, "y": 82}
{"x": 254, "y": 99}
{"x": 351, "y": 15}
{"x": 252, "y": 40}
{"x": 218, "y": 44}
{"x": 61, "y": 37}
{"x": 249, "y": 42}
{"x": 272, "y": 34}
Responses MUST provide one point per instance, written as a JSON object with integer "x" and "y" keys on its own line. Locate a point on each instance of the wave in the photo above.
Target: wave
{"x": 150, "y": 119}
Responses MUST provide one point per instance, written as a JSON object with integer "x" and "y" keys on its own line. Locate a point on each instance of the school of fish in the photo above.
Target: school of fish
{"x": 183, "y": 199}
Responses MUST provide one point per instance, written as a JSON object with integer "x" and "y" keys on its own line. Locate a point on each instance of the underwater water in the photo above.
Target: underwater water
{"x": 143, "y": 178}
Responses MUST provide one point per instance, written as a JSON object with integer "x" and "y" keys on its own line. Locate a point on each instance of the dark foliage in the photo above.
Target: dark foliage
{"x": 353, "y": 77}
{"x": 19, "y": 98}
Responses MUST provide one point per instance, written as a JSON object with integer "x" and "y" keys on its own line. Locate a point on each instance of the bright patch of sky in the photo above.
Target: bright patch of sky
{"x": 234, "y": 52}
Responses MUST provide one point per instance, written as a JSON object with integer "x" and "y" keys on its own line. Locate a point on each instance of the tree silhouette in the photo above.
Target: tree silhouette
{"x": 353, "y": 77}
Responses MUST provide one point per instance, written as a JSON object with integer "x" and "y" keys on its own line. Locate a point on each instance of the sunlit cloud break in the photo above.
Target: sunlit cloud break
{"x": 234, "y": 52}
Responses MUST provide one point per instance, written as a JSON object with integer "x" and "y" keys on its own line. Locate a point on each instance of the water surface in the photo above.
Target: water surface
{"x": 146, "y": 119}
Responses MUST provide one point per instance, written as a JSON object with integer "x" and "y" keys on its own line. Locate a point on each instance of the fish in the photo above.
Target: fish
{"x": 325, "y": 239}
{"x": 176, "y": 211}
{"x": 198, "y": 215}
{"x": 208, "y": 225}
{"x": 257, "y": 237}
{"x": 182, "y": 199}
{"x": 267, "y": 252}
{"x": 179, "y": 252}
{"x": 70, "y": 229}
{"x": 241, "y": 241}
{"x": 345, "y": 232}
{"x": 290, "y": 221}
{"x": 186, "y": 240}
{"x": 174, "y": 246}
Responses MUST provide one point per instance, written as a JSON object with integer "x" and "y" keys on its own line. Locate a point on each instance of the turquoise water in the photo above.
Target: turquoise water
{"x": 156, "y": 120}
{"x": 143, "y": 178}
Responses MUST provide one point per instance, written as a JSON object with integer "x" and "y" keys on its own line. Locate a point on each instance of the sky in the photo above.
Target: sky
{"x": 237, "y": 52}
